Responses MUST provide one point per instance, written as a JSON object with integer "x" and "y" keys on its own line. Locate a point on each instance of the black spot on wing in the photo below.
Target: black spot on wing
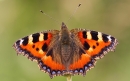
{"x": 35, "y": 37}
{"x": 45, "y": 36}
{"x": 18, "y": 42}
{"x": 49, "y": 53}
{"x": 105, "y": 39}
{"x": 86, "y": 45}
{"x": 112, "y": 39}
{"x": 25, "y": 40}
{"x": 84, "y": 34}
{"x": 33, "y": 46}
{"x": 97, "y": 43}
{"x": 37, "y": 49}
{"x": 94, "y": 47}
{"x": 94, "y": 35}
{"x": 81, "y": 51}
{"x": 44, "y": 47}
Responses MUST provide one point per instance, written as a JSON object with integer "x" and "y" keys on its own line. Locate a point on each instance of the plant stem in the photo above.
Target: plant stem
{"x": 69, "y": 78}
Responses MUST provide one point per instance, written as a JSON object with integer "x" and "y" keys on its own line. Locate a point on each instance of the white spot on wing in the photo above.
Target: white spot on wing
{"x": 99, "y": 36}
{"x": 109, "y": 37}
{"x": 30, "y": 39}
{"x": 40, "y": 51}
{"x": 21, "y": 41}
{"x": 45, "y": 57}
{"x": 90, "y": 49}
{"x": 89, "y": 35}
{"x": 41, "y": 37}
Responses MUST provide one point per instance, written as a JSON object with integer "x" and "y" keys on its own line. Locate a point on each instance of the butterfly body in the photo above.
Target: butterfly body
{"x": 66, "y": 51}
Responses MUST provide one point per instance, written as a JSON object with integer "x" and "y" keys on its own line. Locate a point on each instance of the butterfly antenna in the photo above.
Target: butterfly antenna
{"x": 74, "y": 12}
{"x": 49, "y": 16}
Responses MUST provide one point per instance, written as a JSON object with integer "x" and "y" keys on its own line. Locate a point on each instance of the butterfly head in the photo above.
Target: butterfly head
{"x": 63, "y": 26}
{"x": 65, "y": 34}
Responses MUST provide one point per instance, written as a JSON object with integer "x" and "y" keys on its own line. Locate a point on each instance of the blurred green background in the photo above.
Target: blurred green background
{"x": 19, "y": 18}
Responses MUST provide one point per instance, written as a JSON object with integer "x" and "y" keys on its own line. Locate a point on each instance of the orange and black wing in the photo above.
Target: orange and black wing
{"x": 95, "y": 44}
{"x": 35, "y": 47}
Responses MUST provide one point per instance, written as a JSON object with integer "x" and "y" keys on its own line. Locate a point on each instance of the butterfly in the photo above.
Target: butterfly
{"x": 66, "y": 51}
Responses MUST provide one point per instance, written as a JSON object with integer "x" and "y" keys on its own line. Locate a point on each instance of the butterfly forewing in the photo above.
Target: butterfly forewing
{"x": 95, "y": 43}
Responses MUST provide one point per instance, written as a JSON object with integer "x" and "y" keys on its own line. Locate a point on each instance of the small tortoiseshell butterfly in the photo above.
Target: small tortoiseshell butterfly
{"x": 66, "y": 52}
